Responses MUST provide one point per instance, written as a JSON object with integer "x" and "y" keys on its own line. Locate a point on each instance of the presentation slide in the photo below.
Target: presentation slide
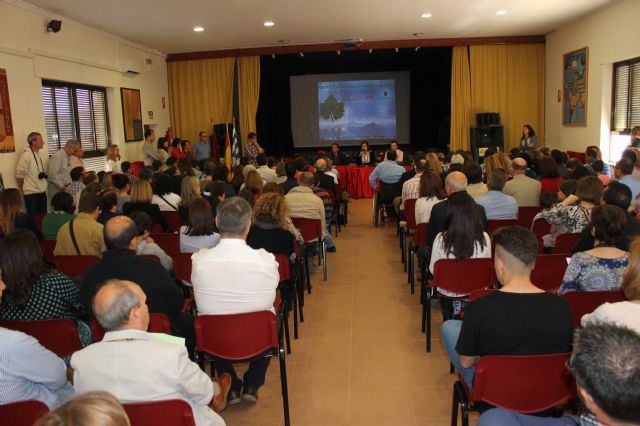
{"x": 361, "y": 109}
{"x": 349, "y": 108}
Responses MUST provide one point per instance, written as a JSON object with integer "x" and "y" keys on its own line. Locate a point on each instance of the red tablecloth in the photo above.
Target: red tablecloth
{"x": 355, "y": 180}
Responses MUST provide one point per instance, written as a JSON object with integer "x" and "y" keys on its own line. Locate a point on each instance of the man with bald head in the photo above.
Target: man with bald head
{"x": 134, "y": 367}
{"x": 454, "y": 182}
{"x": 525, "y": 190}
{"x": 324, "y": 180}
{"x": 120, "y": 261}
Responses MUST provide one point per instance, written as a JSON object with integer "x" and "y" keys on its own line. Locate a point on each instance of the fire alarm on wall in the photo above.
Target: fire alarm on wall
{"x": 164, "y": 105}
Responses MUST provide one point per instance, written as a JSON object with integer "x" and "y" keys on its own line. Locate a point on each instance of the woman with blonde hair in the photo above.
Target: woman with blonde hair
{"x": 11, "y": 217}
{"x": 434, "y": 163}
{"x": 330, "y": 170}
{"x": 140, "y": 200}
{"x": 268, "y": 229}
{"x": 90, "y": 409}
{"x": 113, "y": 159}
{"x": 107, "y": 182}
{"x": 189, "y": 192}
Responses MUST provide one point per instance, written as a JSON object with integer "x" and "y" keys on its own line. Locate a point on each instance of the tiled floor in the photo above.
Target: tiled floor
{"x": 360, "y": 358}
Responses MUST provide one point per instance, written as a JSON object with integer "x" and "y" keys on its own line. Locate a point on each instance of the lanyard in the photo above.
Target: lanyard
{"x": 36, "y": 160}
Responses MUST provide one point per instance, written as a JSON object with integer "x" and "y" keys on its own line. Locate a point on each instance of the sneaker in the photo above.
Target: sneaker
{"x": 220, "y": 400}
{"x": 233, "y": 398}
{"x": 250, "y": 395}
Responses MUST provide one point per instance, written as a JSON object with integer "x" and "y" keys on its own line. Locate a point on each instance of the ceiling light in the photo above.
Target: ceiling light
{"x": 501, "y": 12}
{"x": 338, "y": 52}
{"x": 396, "y": 50}
{"x": 273, "y": 56}
{"x": 198, "y": 29}
{"x": 418, "y": 34}
{"x": 417, "y": 48}
{"x": 301, "y": 55}
{"x": 268, "y": 24}
{"x": 370, "y": 50}
{"x": 426, "y": 15}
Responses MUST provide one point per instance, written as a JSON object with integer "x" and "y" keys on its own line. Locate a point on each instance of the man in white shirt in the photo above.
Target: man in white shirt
{"x": 32, "y": 177}
{"x": 59, "y": 168}
{"x": 134, "y": 367}
{"x": 233, "y": 278}
{"x": 411, "y": 188}
{"x": 266, "y": 172}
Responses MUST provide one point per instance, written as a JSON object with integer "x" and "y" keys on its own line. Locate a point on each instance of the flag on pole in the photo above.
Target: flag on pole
{"x": 227, "y": 148}
{"x": 236, "y": 146}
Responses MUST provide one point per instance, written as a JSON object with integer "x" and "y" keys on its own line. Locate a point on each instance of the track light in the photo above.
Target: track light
{"x": 273, "y": 56}
{"x": 417, "y": 48}
{"x": 396, "y": 50}
{"x": 301, "y": 55}
{"x": 370, "y": 50}
{"x": 338, "y": 52}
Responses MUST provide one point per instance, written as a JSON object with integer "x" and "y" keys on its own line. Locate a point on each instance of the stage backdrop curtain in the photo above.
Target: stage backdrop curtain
{"x": 248, "y": 94}
{"x": 201, "y": 92}
{"x": 509, "y": 79}
{"x": 461, "y": 103}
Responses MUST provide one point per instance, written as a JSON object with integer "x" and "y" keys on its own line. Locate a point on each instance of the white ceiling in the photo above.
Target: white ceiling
{"x": 167, "y": 25}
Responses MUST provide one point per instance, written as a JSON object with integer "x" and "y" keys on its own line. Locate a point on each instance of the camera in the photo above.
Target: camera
{"x": 42, "y": 175}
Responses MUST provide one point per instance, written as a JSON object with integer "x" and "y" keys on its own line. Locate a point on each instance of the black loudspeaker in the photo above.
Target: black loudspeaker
{"x": 485, "y": 119}
{"x": 54, "y": 26}
{"x": 484, "y": 137}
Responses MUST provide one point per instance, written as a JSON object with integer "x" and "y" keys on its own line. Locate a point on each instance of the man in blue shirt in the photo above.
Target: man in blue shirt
{"x": 202, "y": 149}
{"x": 388, "y": 171}
{"x": 626, "y": 167}
{"x": 497, "y": 204}
{"x": 591, "y": 155}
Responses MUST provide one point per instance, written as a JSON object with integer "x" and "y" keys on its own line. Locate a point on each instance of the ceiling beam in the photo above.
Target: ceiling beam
{"x": 332, "y": 47}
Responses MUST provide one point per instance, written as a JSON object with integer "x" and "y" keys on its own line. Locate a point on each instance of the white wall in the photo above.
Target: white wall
{"x": 80, "y": 55}
{"x": 612, "y": 35}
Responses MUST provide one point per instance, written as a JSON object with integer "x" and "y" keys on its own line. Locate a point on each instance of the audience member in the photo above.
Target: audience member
{"x": 253, "y": 148}
{"x": 430, "y": 193}
{"x": 176, "y": 151}
{"x": 108, "y": 207}
{"x": 214, "y": 193}
{"x": 266, "y": 173}
{"x": 593, "y": 154}
{"x": 202, "y": 148}
{"x": 500, "y": 323}
{"x": 133, "y": 366}
{"x": 327, "y": 202}
{"x": 62, "y": 205}
{"x": 434, "y": 163}
{"x": 140, "y": 200}
{"x": 221, "y": 173}
{"x": 150, "y": 151}
{"x": 550, "y": 179}
{"x": 77, "y": 185}
{"x": 145, "y": 244}
{"x": 107, "y": 182}
{"x": 89, "y": 409}
{"x": 11, "y": 217}
{"x": 246, "y": 281}
{"x": 83, "y": 234}
{"x": 324, "y": 180}
{"x": 268, "y": 229}
{"x": 626, "y": 168}
{"x": 121, "y": 183}
{"x": 524, "y": 189}
{"x": 411, "y": 188}
{"x": 291, "y": 182}
{"x": 199, "y": 233}
{"x": 580, "y": 172}
{"x": 600, "y": 268}
{"x": 58, "y": 168}
{"x": 162, "y": 196}
{"x": 113, "y": 159}
{"x": 560, "y": 159}
{"x": 497, "y": 205}
{"x": 189, "y": 192}
{"x": 598, "y": 168}
{"x": 475, "y": 187}
{"x": 389, "y": 172}
{"x": 417, "y": 156}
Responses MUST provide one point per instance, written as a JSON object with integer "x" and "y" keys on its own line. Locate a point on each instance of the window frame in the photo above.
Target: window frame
{"x": 616, "y": 65}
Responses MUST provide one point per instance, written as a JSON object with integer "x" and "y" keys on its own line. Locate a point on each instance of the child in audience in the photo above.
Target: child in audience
{"x": 146, "y": 245}
{"x": 62, "y": 204}
{"x": 598, "y": 168}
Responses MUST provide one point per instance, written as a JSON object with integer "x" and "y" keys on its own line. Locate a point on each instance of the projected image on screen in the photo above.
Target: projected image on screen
{"x": 361, "y": 109}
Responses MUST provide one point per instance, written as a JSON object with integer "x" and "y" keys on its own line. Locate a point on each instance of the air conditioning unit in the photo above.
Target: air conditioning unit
{"x": 130, "y": 67}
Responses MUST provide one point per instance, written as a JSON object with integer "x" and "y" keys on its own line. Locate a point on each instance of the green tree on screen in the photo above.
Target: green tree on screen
{"x": 331, "y": 109}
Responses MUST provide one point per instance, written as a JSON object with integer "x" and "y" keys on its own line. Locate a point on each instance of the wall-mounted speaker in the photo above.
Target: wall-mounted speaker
{"x": 54, "y": 26}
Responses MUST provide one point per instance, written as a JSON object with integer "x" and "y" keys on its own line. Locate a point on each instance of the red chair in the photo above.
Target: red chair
{"x": 342, "y": 210}
{"x": 411, "y": 226}
{"x": 60, "y": 336}
{"x": 173, "y": 220}
{"x": 520, "y": 383}
{"x": 175, "y": 412}
{"x": 150, "y": 257}
{"x": 136, "y": 166}
{"x": 541, "y": 227}
{"x": 48, "y": 246}
{"x": 526, "y": 215}
{"x": 168, "y": 242}
{"x": 311, "y": 230}
{"x": 158, "y": 323}
{"x": 23, "y": 413}
{"x": 565, "y": 243}
{"x": 420, "y": 239}
{"x": 182, "y": 266}
{"x": 549, "y": 271}
{"x": 493, "y": 225}
{"x": 284, "y": 268}
{"x": 74, "y": 266}
{"x": 577, "y": 154}
{"x": 240, "y": 337}
{"x": 585, "y": 302}
{"x": 456, "y": 276}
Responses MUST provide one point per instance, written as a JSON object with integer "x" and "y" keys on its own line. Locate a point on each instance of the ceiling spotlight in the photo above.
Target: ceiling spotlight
{"x": 198, "y": 29}
{"x": 301, "y": 55}
{"x": 417, "y": 48}
{"x": 268, "y": 24}
{"x": 501, "y": 12}
{"x": 273, "y": 56}
{"x": 370, "y": 50}
{"x": 284, "y": 41}
{"x": 418, "y": 34}
{"x": 426, "y": 15}
{"x": 396, "y": 50}
{"x": 338, "y": 52}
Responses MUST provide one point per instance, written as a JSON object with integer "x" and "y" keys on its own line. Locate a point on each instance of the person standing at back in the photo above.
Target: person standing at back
{"x": 31, "y": 176}
{"x": 253, "y": 149}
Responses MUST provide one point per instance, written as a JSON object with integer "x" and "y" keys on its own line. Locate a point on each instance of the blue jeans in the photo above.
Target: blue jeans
{"x": 501, "y": 417}
{"x": 449, "y": 332}
{"x": 328, "y": 240}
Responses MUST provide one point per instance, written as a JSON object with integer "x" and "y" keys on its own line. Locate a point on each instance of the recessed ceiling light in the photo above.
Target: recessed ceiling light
{"x": 426, "y": 15}
{"x": 198, "y": 29}
{"x": 268, "y": 24}
{"x": 501, "y": 12}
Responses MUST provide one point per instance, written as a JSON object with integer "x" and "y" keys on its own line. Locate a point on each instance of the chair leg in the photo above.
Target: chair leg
{"x": 294, "y": 298}
{"x": 285, "y": 323}
{"x": 283, "y": 384}
{"x": 454, "y": 406}
{"x": 300, "y": 287}
{"x": 452, "y": 368}
{"x": 319, "y": 251}
{"x": 423, "y": 299}
{"x": 427, "y": 308}
{"x": 403, "y": 245}
{"x": 324, "y": 259}
{"x": 306, "y": 269}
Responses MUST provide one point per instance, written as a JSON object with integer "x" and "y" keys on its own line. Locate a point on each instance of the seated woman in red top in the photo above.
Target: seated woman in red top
{"x": 550, "y": 179}
{"x": 177, "y": 151}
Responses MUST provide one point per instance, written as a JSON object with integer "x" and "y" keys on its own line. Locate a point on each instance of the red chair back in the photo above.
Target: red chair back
{"x": 175, "y": 412}
{"x": 549, "y": 271}
{"x": 182, "y": 266}
{"x": 565, "y": 243}
{"x": 173, "y": 220}
{"x": 236, "y": 337}
{"x": 48, "y": 246}
{"x": 410, "y": 213}
{"x": 136, "y": 166}
{"x": 339, "y": 191}
{"x": 283, "y": 267}
{"x": 541, "y": 227}
{"x": 493, "y": 225}
{"x": 463, "y": 276}
{"x": 60, "y": 336}
{"x": 523, "y": 383}
{"x": 23, "y": 413}
{"x": 526, "y": 215}
{"x": 168, "y": 242}
{"x": 585, "y": 302}
{"x": 74, "y": 265}
{"x": 158, "y": 323}
{"x": 420, "y": 238}
{"x": 311, "y": 229}
{"x": 96, "y": 330}
{"x": 577, "y": 154}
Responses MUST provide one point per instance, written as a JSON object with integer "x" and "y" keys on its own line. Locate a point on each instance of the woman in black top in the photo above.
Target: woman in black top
{"x": 108, "y": 206}
{"x": 10, "y": 216}
{"x": 140, "y": 200}
{"x": 268, "y": 228}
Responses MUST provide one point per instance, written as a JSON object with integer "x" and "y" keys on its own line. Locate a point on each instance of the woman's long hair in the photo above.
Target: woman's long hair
{"x": 10, "y": 202}
{"x": 631, "y": 279}
{"x": 271, "y": 208}
{"x": 431, "y": 186}
{"x": 22, "y": 263}
{"x": 463, "y": 226}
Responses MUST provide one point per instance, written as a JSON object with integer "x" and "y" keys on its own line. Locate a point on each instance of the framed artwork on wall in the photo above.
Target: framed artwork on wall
{"x": 575, "y": 69}
{"x": 131, "y": 114}
{"x": 7, "y": 143}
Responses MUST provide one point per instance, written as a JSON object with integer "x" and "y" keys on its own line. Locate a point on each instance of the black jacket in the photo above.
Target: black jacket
{"x": 288, "y": 184}
{"x": 326, "y": 181}
{"x": 438, "y": 217}
{"x": 631, "y": 229}
{"x": 274, "y": 239}
{"x": 152, "y": 210}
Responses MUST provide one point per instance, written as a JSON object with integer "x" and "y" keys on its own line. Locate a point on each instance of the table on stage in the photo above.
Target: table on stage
{"x": 355, "y": 180}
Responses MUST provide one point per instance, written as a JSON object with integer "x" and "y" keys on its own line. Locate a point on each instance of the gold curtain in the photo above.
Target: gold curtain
{"x": 200, "y": 92}
{"x": 461, "y": 103}
{"x": 509, "y": 79}
{"x": 248, "y": 94}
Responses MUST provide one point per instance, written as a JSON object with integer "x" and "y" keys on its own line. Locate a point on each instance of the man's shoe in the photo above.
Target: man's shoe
{"x": 250, "y": 395}
{"x": 331, "y": 249}
{"x": 233, "y": 398}
{"x": 220, "y": 400}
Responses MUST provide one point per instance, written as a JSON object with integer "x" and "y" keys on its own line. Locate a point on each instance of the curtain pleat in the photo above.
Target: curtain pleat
{"x": 248, "y": 94}
{"x": 461, "y": 102}
{"x": 200, "y": 92}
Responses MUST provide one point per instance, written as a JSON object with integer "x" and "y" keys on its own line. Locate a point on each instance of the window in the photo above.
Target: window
{"x": 626, "y": 95}
{"x": 73, "y": 111}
